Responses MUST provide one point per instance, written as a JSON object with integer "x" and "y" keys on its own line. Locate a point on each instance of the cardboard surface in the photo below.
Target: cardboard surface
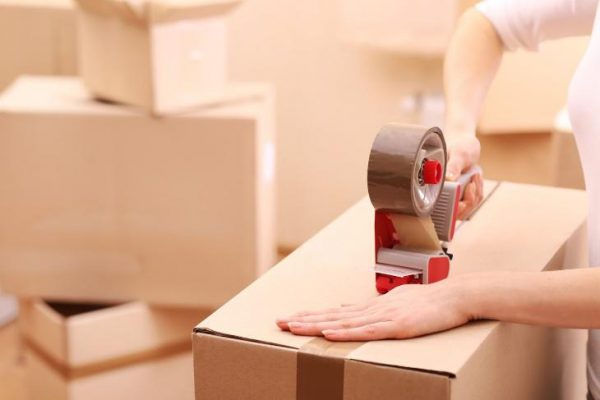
{"x": 334, "y": 268}
{"x": 37, "y": 37}
{"x": 174, "y": 211}
{"x": 83, "y": 335}
{"x": 165, "y": 56}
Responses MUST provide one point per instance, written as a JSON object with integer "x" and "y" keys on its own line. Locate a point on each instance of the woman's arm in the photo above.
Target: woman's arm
{"x": 569, "y": 299}
{"x": 471, "y": 62}
{"x": 472, "y": 59}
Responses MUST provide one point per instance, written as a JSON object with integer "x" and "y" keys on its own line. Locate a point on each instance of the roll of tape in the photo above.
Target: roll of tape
{"x": 395, "y": 173}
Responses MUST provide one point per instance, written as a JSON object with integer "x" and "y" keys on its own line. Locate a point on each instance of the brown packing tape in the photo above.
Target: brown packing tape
{"x": 320, "y": 369}
{"x": 81, "y": 372}
{"x": 394, "y": 174}
{"x": 415, "y": 233}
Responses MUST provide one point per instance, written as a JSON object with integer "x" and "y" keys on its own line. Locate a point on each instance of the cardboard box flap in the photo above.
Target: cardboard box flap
{"x": 157, "y": 11}
{"x": 334, "y": 268}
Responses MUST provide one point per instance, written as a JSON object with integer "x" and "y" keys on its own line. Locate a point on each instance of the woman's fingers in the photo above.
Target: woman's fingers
{"x": 374, "y": 331}
{"x": 328, "y": 314}
{"x": 456, "y": 164}
{"x": 472, "y": 198}
{"x": 316, "y": 328}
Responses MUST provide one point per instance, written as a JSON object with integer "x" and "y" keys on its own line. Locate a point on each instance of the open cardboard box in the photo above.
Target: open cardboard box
{"x": 103, "y": 203}
{"x": 240, "y": 353}
{"x": 166, "y": 377}
{"x": 162, "y": 55}
{"x": 87, "y": 335}
{"x": 98, "y": 351}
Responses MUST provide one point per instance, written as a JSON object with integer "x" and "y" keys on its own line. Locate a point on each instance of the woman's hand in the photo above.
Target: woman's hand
{"x": 405, "y": 312}
{"x": 463, "y": 153}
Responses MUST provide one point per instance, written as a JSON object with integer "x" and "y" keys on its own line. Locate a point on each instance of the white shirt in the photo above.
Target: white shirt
{"x": 526, "y": 23}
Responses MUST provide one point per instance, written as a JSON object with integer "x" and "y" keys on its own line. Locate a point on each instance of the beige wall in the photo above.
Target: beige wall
{"x": 331, "y": 100}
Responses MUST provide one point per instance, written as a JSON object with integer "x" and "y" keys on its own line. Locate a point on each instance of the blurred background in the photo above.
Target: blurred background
{"x": 337, "y": 71}
{"x": 340, "y": 69}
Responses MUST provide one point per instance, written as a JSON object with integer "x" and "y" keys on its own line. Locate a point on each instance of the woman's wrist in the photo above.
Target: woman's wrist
{"x": 469, "y": 291}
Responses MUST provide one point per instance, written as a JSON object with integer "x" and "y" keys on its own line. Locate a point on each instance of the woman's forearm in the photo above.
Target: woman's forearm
{"x": 568, "y": 299}
{"x": 471, "y": 62}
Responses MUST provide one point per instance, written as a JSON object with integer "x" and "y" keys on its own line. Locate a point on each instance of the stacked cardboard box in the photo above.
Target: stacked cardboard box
{"x": 240, "y": 353}
{"x": 163, "y": 56}
{"x": 91, "y": 351}
{"x": 37, "y": 37}
{"x": 106, "y": 204}
{"x": 123, "y": 229}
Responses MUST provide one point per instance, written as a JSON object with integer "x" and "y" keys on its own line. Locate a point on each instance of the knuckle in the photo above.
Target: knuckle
{"x": 346, "y": 324}
{"x": 371, "y": 330}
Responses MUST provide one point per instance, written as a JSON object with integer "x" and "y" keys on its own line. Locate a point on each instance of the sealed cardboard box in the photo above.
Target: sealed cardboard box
{"x": 518, "y": 228}
{"x": 93, "y": 351}
{"x": 163, "y": 55}
{"x": 37, "y": 37}
{"x": 104, "y": 203}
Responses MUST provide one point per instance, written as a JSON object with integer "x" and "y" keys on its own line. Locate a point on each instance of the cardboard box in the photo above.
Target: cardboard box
{"x": 37, "y": 37}
{"x": 518, "y": 228}
{"x": 163, "y": 378}
{"x": 392, "y": 26}
{"x": 163, "y": 55}
{"x": 80, "y": 335}
{"x": 103, "y": 203}
{"x": 519, "y": 157}
{"x": 531, "y": 87}
{"x": 92, "y": 351}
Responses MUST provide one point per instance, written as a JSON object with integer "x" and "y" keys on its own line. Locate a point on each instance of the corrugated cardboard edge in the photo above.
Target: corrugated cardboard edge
{"x": 348, "y": 357}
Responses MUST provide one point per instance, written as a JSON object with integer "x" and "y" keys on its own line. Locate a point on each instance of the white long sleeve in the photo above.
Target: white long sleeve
{"x": 527, "y": 23}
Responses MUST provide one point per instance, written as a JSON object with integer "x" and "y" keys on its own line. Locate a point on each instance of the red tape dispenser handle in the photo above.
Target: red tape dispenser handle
{"x": 445, "y": 212}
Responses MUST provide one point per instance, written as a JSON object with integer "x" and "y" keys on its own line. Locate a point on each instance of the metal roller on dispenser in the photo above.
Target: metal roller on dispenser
{"x": 406, "y": 169}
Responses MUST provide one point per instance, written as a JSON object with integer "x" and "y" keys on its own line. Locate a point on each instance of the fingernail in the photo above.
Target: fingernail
{"x": 295, "y": 325}
{"x": 281, "y": 320}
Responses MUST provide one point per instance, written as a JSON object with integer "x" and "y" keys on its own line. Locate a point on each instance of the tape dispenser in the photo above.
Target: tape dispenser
{"x": 415, "y": 208}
